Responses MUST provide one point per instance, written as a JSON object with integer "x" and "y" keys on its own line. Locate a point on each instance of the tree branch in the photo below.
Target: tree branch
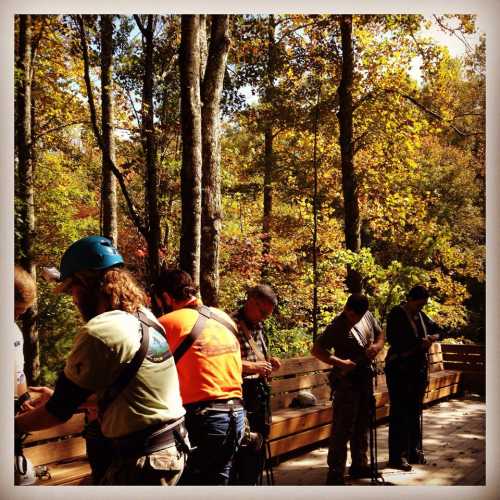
{"x": 140, "y": 25}
{"x": 60, "y": 127}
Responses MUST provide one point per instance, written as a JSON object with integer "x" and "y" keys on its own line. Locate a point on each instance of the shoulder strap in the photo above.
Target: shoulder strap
{"x": 205, "y": 313}
{"x": 129, "y": 371}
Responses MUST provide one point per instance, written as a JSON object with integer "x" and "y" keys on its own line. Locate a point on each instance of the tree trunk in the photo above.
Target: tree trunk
{"x": 315, "y": 218}
{"x": 149, "y": 144}
{"x": 203, "y": 46}
{"x": 189, "y": 65}
{"x": 349, "y": 178}
{"x": 268, "y": 150}
{"x": 211, "y": 192}
{"x": 108, "y": 191}
{"x": 26, "y": 190}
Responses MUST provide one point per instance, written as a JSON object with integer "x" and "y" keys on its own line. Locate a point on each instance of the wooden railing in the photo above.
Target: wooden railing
{"x": 470, "y": 360}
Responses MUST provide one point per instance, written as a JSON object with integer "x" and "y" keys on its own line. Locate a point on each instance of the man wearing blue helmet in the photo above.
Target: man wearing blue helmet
{"x": 121, "y": 356}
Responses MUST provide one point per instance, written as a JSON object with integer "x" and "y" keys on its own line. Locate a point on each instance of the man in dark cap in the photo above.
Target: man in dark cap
{"x": 257, "y": 369}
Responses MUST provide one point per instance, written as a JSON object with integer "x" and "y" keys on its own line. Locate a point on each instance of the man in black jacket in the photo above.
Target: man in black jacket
{"x": 410, "y": 333}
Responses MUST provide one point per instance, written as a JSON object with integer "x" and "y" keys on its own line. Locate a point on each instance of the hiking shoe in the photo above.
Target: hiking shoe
{"x": 333, "y": 480}
{"x": 360, "y": 472}
{"x": 417, "y": 457}
{"x": 400, "y": 464}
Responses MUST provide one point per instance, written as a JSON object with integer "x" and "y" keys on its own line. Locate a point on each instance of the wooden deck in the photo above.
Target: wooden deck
{"x": 454, "y": 444}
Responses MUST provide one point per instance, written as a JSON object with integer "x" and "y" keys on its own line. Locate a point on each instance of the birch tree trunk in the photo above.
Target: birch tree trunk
{"x": 189, "y": 65}
{"x": 211, "y": 190}
{"x": 108, "y": 190}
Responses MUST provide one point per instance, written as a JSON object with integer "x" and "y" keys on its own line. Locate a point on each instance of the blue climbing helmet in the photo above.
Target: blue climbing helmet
{"x": 91, "y": 252}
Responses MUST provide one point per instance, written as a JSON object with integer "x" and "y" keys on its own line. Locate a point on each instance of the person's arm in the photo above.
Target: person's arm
{"x": 263, "y": 368}
{"x": 65, "y": 400}
{"x": 35, "y": 420}
{"x": 436, "y": 331}
{"x": 321, "y": 350}
{"x": 378, "y": 339}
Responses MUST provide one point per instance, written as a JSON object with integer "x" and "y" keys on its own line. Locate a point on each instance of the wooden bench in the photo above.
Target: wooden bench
{"x": 470, "y": 360}
{"x": 62, "y": 450}
{"x": 294, "y": 428}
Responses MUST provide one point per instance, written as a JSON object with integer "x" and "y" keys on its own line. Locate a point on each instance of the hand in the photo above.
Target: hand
{"x": 275, "y": 363}
{"x": 45, "y": 394}
{"x": 426, "y": 343}
{"x": 263, "y": 368}
{"x": 347, "y": 366}
{"x": 372, "y": 351}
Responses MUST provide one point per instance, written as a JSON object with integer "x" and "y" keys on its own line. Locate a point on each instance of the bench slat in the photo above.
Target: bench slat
{"x": 294, "y": 441}
{"x": 56, "y": 451}
{"x": 299, "y": 382}
{"x": 67, "y": 473}
{"x": 300, "y": 365}
{"x": 291, "y": 421}
{"x": 73, "y": 426}
{"x": 460, "y": 365}
{"x": 459, "y": 348}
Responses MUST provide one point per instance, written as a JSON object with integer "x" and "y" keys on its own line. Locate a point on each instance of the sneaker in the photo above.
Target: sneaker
{"x": 360, "y": 472}
{"x": 401, "y": 464}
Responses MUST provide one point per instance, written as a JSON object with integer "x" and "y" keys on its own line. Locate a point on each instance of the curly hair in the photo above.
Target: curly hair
{"x": 116, "y": 286}
{"x": 24, "y": 287}
{"x": 122, "y": 291}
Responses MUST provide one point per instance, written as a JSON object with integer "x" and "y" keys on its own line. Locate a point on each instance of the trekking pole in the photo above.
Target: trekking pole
{"x": 268, "y": 464}
{"x": 376, "y": 476}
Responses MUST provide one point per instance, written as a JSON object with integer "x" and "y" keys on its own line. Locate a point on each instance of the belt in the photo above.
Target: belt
{"x": 151, "y": 439}
{"x": 224, "y": 405}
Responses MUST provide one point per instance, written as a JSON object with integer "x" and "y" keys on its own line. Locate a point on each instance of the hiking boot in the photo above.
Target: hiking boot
{"x": 401, "y": 464}
{"x": 417, "y": 457}
{"x": 334, "y": 480}
{"x": 360, "y": 472}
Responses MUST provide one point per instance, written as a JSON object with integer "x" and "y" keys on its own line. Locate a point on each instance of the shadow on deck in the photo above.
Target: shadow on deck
{"x": 454, "y": 445}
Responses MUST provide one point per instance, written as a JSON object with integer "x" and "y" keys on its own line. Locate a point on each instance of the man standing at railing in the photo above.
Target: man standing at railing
{"x": 257, "y": 369}
{"x": 410, "y": 333}
{"x": 356, "y": 338}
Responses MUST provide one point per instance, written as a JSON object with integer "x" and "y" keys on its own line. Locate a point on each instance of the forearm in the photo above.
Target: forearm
{"x": 35, "y": 420}
{"x": 248, "y": 367}
{"x": 325, "y": 356}
{"x": 379, "y": 340}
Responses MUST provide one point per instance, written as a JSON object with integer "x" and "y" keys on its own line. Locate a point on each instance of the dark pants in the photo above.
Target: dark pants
{"x": 99, "y": 450}
{"x": 215, "y": 435}
{"x": 351, "y": 421}
{"x": 406, "y": 393}
{"x": 249, "y": 462}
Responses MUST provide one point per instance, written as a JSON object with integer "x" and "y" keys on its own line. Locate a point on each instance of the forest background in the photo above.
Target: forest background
{"x": 321, "y": 154}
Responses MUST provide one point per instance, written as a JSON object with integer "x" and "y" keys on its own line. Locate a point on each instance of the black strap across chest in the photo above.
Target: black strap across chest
{"x": 204, "y": 314}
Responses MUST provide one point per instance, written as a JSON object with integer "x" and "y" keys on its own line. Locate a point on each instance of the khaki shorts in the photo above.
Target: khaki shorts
{"x": 162, "y": 468}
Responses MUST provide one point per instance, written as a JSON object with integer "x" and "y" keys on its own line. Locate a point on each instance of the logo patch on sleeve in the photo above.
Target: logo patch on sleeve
{"x": 158, "y": 350}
